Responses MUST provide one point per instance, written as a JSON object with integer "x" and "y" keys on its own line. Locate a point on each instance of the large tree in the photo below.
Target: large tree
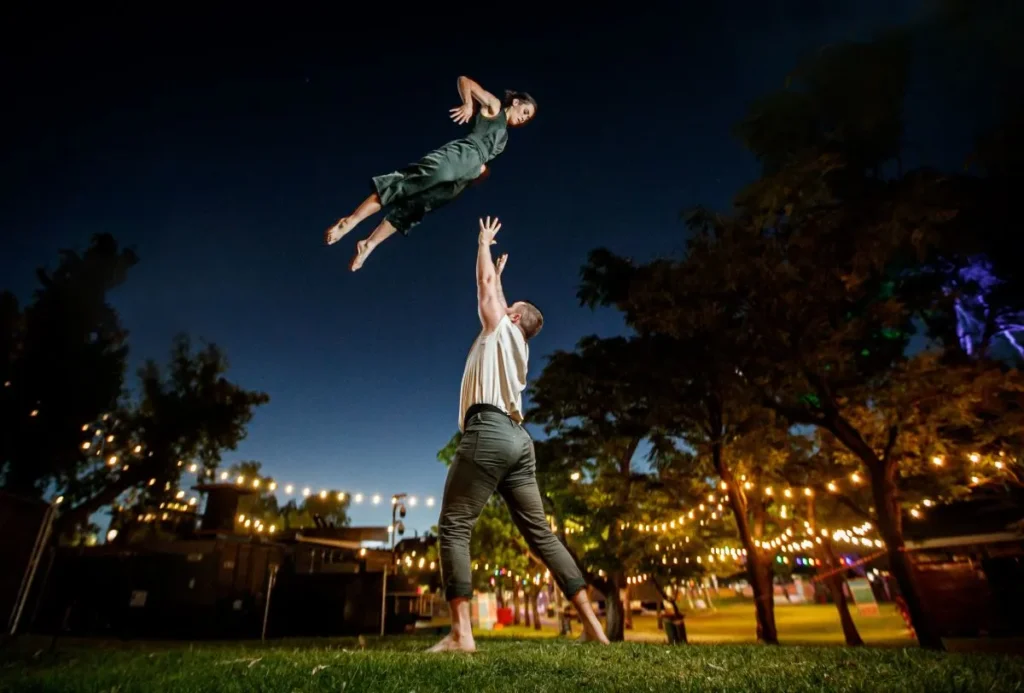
{"x": 187, "y": 413}
{"x": 597, "y": 403}
{"x": 80, "y": 433}
{"x": 61, "y": 366}
{"x": 819, "y": 273}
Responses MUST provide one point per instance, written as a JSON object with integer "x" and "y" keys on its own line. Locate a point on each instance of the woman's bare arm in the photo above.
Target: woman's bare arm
{"x": 471, "y": 91}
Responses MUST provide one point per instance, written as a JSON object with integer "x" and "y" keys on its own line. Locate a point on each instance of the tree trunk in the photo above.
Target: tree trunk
{"x": 890, "y": 526}
{"x": 527, "y": 612}
{"x": 661, "y": 605}
{"x": 615, "y": 618}
{"x": 759, "y": 567}
{"x": 536, "y": 611}
{"x": 627, "y": 612}
{"x": 516, "y": 605}
{"x": 834, "y": 583}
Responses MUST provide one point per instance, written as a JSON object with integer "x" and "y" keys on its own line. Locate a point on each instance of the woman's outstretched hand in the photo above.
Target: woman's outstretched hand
{"x": 463, "y": 114}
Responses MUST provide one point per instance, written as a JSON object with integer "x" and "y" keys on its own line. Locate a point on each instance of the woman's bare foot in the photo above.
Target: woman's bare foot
{"x": 363, "y": 250}
{"x": 338, "y": 231}
{"x": 451, "y": 643}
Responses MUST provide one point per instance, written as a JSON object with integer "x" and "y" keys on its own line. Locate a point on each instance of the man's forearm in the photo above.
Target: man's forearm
{"x": 485, "y": 272}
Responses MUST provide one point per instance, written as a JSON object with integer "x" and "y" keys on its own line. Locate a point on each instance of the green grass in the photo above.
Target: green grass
{"x": 502, "y": 664}
{"x": 732, "y": 621}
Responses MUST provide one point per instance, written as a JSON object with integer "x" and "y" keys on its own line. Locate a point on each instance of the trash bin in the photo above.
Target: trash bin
{"x": 675, "y": 629}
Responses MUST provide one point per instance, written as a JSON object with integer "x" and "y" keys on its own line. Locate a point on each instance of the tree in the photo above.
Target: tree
{"x": 61, "y": 366}
{"x": 596, "y": 402}
{"x": 697, "y": 395}
{"x": 188, "y": 413}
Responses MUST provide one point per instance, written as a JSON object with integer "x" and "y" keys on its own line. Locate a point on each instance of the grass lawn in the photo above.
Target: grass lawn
{"x": 732, "y": 621}
{"x": 503, "y": 664}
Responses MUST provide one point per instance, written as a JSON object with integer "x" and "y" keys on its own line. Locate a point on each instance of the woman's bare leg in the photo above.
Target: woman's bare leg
{"x": 384, "y": 230}
{"x": 461, "y": 637}
{"x": 368, "y": 207}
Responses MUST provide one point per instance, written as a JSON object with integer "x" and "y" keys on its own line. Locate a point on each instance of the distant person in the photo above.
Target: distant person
{"x": 443, "y": 174}
{"x": 496, "y": 454}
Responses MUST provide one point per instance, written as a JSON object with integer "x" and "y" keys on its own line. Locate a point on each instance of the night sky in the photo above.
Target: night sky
{"x": 221, "y": 148}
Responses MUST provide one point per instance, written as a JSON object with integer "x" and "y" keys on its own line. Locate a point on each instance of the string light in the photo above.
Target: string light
{"x": 306, "y": 492}
{"x": 359, "y": 498}
{"x": 289, "y": 489}
{"x": 975, "y": 458}
{"x": 430, "y": 502}
{"x": 376, "y": 499}
{"x": 323, "y": 495}
{"x": 937, "y": 460}
{"x": 575, "y": 476}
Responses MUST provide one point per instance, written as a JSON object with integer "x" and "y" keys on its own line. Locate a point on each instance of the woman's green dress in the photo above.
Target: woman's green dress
{"x": 442, "y": 175}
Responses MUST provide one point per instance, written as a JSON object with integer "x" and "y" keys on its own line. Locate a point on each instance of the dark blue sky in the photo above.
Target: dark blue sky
{"x": 220, "y": 148}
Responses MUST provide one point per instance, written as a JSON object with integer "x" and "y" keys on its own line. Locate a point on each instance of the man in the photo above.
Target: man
{"x": 496, "y": 453}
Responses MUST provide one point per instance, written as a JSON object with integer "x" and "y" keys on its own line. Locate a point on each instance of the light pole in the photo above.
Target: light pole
{"x": 397, "y": 527}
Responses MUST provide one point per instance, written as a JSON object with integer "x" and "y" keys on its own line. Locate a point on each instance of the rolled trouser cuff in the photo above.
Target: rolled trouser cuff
{"x": 458, "y": 590}
{"x": 574, "y": 587}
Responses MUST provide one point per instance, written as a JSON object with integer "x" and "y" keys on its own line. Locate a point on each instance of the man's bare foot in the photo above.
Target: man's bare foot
{"x": 338, "y": 231}
{"x": 363, "y": 250}
{"x": 450, "y": 643}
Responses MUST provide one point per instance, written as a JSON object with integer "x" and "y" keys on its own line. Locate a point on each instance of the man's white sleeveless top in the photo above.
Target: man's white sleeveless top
{"x": 496, "y": 371}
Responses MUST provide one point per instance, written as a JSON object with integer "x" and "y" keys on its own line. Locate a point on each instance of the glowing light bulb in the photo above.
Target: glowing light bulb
{"x": 975, "y": 480}
{"x": 255, "y": 483}
{"x": 85, "y": 445}
{"x": 138, "y": 449}
{"x": 974, "y": 457}
{"x": 306, "y": 492}
{"x": 855, "y": 478}
{"x": 241, "y": 518}
{"x": 272, "y": 486}
{"x": 832, "y": 487}
{"x": 748, "y": 486}
{"x": 937, "y": 460}
{"x": 223, "y": 476}
{"x": 927, "y": 503}
{"x": 289, "y": 489}
{"x": 808, "y": 492}
{"x": 240, "y": 480}
{"x": 914, "y": 512}
{"x": 999, "y": 464}
{"x": 193, "y": 467}
{"x": 768, "y": 491}
{"x": 575, "y": 476}
{"x": 376, "y": 499}
{"x": 412, "y": 501}
{"x": 359, "y": 498}
{"x": 430, "y": 502}
{"x": 323, "y": 495}
{"x": 788, "y": 493}
{"x": 341, "y": 496}
{"x": 112, "y": 460}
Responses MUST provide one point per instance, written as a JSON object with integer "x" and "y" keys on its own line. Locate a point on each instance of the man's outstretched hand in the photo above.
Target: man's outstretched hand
{"x": 488, "y": 230}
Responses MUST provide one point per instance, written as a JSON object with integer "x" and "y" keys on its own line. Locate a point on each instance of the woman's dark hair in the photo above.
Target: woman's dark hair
{"x": 511, "y": 96}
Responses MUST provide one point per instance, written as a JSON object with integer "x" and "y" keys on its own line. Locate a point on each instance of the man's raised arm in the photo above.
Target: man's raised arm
{"x": 491, "y": 303}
